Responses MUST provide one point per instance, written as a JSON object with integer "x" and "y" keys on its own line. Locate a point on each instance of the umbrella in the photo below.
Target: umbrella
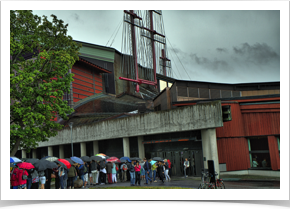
{"x": 126, "y": 158}
{"x": 100, "y": 154}
{"x": 70, "y": 161}
{"x": 31, "y": 160}
{"x": 49, "y": 158}
{"x": 15, "y": 160}
{"x": 66, "y": 162}
{"x": 25, "y": 165}
{"x": 107, "y": 157}
{"x": 86, "y": 158}
{"x": 97, "y": 158}
{"x": 152, "y": 162}
{"x": 113, "y": 159}
{"x": 42, "y": 165}
{"x": 77, "y": 160}
{"x": 157, "y": 159}
{"x": 135, "y": 158}
{"x": 62, "y": 164}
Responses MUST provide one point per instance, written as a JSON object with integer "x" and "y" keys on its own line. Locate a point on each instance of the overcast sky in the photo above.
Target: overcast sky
{"x": 214, "y": 46}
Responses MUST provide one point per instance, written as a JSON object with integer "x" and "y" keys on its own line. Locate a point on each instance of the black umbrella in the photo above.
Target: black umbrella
{"x": 70, "y": 161}
{"x": 135, "y": 158}
{"x": 42, "y": 165}
{"x": 31, "y": 160}
{"x": 97, "y": 158}
{"x": 61, "y": 163}
{"x": 157, "y": 159}
{"x": 86, "y": 158}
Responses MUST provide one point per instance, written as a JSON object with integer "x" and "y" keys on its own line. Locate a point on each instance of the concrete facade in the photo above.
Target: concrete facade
{"x": 126, "y": 147}
{"x": 141, "y": 148}
{"x": 23, "y": 153}
{"x": 201, "y": 116}
{"x": 96, "y": 147}
{"x": 61, "y": 151}
{"x": 50, "y": 151}
{"x": 34, "y": 153}
{"x": 83, "y": 149}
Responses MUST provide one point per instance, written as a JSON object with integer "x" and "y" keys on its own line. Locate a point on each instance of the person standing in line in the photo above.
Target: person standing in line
{"x": 114, "y": 172}
{"x": 167, "y": 178}
{"x": 72, "y": 172}
{"x": 109, "y": 172}
{"x": 124, "y": 169}
{"x": 94, "y": 172}
{"x": 81, "y": 169}
{"x": 103, "y": 172}
{"x": 160, "y": 171}
{"x": 42, "y": 179}
{"x": 29, "y": 179}
{"x": 55, "y": 172}
{"x": 65, "y": 178}
{"x": 90, "y": 174}
{"x": 169, "y": 167}
{"x": 61, "y": 174}
{"x": 186, "y": 166}
{"x": 131, "y": 169}
{"x": 137, "y": 173}
{"x": 142, "y": 163}
{"x": 147, "y": 171}
{"x": 128, "y": 172}
{"x": 154, "y": 169}
{"x": 35, "y": 179}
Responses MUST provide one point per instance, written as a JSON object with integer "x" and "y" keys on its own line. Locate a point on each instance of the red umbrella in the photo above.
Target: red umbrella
{"x": 67, "y": 163}
{"x": 25, "y": 165}
{"x": 113, "y": 159}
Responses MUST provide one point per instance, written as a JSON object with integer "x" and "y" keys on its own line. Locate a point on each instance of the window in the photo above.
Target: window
{"x": 259, "y": 153}
{"x": 169, "y": 84}
{"x": 278, "y": 141}
{"x": 162, "y": 85}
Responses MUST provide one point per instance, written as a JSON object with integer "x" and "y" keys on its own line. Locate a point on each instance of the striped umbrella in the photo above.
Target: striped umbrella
{"x": 15, "y": 160}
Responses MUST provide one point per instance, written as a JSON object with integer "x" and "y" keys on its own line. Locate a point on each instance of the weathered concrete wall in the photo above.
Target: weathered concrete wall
{"x": 201, "y": 116}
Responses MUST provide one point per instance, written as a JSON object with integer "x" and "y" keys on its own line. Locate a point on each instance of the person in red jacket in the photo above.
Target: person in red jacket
{"x": 169, "y": 166}
{"x": 16, "y": 179}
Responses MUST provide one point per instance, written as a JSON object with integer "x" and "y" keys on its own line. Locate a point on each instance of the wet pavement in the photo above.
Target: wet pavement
{"x": 193, "y": 183}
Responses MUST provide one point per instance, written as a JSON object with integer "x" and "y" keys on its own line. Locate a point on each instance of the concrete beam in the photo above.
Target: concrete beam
{"x": 95, "y": 147}
{"x": 141, "y": 148}
{"x": 49, "y": 151}
{"x": 34, "y": 153}
{"x": 83, "y": 149}
{"x": 126, "y": 147}
{"x": 190, "y": 118}
{"x": 209, "y": 148}
{"x": 61, "y": 151}
{"x": 23, "y": 153}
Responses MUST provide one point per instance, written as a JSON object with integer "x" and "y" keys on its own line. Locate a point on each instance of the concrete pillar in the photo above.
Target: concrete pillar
{"x": 61, "y": 151}
{"x": 126, "y": 147}
{"x": 23, "y": 153}
{"x": 141, "y": 148}
{"x": 209, "y": 147}
{"x": 49, "y": 151}
{"x": 83, "y": 149}
{"x": 34, "y": 153}
{"x": 95, "y": 147}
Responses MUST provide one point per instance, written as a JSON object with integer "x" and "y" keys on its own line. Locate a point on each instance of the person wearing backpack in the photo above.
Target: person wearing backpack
{"x": 147, "y": 171}
{"x": 124, "y": 169}
{"x": 72, "y": 172}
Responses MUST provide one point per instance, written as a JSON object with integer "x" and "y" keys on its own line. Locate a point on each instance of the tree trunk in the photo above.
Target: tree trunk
{"x": 15, "y": 148}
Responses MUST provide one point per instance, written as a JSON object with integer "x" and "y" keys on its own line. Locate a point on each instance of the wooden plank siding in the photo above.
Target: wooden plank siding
{"x": 234, "y": 152}
{"x": 86, "y": 83}
{"x": 274, "y": 153}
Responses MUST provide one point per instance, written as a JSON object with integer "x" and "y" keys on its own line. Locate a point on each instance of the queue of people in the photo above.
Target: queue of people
{"x": 92, "y": 173}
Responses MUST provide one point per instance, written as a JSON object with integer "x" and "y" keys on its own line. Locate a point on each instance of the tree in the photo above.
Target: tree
{"x": 41, "y": 54}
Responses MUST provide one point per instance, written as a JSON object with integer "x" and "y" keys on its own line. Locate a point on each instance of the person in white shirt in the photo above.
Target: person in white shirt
{"x": 186, "y": 166}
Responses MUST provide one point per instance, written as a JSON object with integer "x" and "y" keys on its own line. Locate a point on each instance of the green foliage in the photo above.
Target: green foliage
{"x": 37, "y": 84}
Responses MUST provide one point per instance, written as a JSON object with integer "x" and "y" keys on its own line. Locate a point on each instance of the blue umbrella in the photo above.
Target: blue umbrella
{"x": 15, "y": 160}
{"x": 152, "y": 162}
{"x": 126, "y": 158}
{"x": 77, "y": 160}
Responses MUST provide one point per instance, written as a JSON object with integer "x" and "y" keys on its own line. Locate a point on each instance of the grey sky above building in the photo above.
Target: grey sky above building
{"x": 228, "y": 46}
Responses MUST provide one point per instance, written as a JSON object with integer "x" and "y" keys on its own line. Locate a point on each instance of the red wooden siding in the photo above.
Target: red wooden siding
{"x": 234, "y": 128}
{"x": 234, "y": 152}
{"x": 274, "y": 153}
{"x": 262, "y": 124}
{"x": 83, "y": 84}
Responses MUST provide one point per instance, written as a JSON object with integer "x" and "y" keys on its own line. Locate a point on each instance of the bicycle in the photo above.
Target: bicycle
{"x": 204, "y": 184}
{"x": 219, "y": 183}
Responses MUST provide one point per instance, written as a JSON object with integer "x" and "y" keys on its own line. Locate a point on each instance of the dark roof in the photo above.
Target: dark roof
{"x": 229, "y": 99}
{"x": 93, "y": 63}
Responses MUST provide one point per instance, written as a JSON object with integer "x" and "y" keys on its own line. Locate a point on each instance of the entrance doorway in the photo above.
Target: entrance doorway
{"x": 177, "y": 158}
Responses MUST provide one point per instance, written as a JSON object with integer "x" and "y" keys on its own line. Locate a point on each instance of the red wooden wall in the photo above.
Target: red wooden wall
{"x": 247, "y": 121}
{"x": 83, "y": 84}
{"x": 234, "y": 152}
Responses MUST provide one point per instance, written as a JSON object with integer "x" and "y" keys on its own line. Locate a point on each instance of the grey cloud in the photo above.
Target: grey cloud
{"x": 222, "y": 50}
{"x": 257, "y": 53}
{"x": 210, "y": 64}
